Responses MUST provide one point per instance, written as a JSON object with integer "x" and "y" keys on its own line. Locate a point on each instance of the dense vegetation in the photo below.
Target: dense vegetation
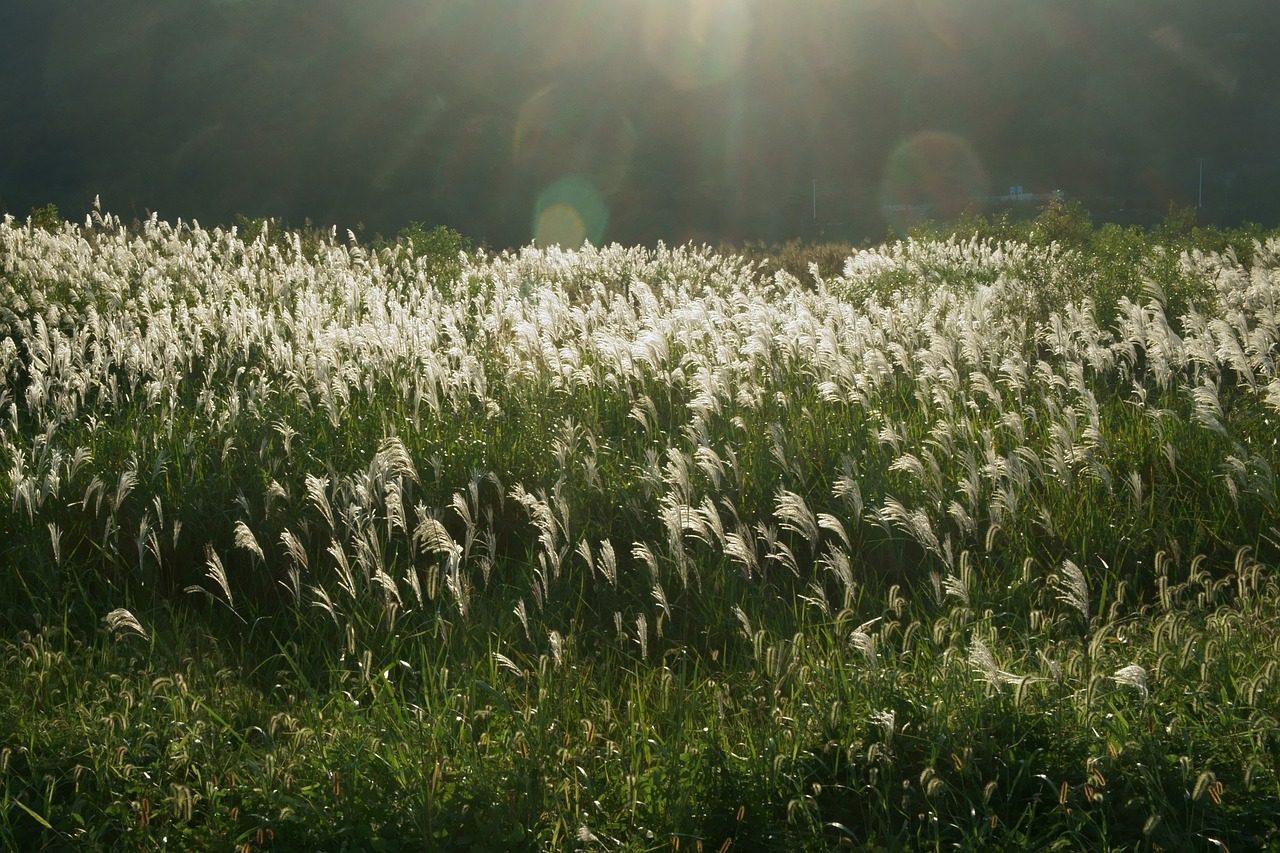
{"x": 312, "y": 545}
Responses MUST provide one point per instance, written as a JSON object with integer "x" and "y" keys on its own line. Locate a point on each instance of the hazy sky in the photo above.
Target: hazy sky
{"x": 635, "y": 120}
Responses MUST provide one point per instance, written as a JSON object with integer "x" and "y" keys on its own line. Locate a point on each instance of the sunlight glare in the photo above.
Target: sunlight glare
{"x": 569, "y": 213}
{"x": 932, "y": 175}
{"x": 595, "y": 140}
{"x": 697, "y": 43}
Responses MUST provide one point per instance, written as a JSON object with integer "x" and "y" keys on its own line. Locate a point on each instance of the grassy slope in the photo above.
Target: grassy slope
{"x": 634, "y": 576}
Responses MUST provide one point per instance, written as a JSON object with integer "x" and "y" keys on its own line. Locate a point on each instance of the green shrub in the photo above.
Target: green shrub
{"x": 46, "y": 217}
{"x": 438, "y": 249}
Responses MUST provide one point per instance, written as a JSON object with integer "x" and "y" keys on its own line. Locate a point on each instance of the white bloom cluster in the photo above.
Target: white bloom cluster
{"x": 914, "y": 384}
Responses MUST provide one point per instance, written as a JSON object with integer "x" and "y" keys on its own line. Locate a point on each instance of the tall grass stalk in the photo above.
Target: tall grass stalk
{"x": 970, "y": 543}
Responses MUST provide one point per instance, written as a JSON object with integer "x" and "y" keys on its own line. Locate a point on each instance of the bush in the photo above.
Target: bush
{"x": 46, "y": 217}
{"x": 439, "y": 249}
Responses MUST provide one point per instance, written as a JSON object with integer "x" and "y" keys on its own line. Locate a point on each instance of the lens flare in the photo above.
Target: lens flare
{"x": 419, "y": 135}
{"x": 569, "y": 213}
{"x": 944, "y": 18}
{"x": 470, "y": 162}
{"x": 556, "y": 132}
{"x": 931, "y": 175}
{"x": 559, "y": 225}
{"x": 570, "y": 34}
{"x": 697, "y": 43}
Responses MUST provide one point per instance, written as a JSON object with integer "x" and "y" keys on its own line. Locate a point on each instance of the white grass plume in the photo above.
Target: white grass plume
{"x": 432, "y": 536}
{"x": 608, "y": 563}
{"x": 294, "y": 548}
{"x": 739, "y": 546}
{"x": 984, "y": 663}
{"x": 218, "y": 575}
{"x": 794, "y": 514}
{"x": 958, "y": 586}
{"x": 1074, "y": 589}
{"x": 508, "y": 664}
{"x": 318, "y": 492}
{"x": 247, "y": 541}
{"x": 866, "y": 643}
{"x": 887, "y": 721}
{"x": 1133, "y": 676}
{"x": 120, "y": 621}
{"x": 393, "y": 459}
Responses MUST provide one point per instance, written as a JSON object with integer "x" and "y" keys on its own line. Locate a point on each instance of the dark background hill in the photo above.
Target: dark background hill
{"x": 637, "y": 121}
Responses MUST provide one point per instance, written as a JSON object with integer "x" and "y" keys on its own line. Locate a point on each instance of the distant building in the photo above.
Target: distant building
{"x": 1018, "y": 192}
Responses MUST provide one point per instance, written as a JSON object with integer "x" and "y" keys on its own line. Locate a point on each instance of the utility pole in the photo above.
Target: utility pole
{"x": 1200, "y": 197}
{"x": 815, "y": 199}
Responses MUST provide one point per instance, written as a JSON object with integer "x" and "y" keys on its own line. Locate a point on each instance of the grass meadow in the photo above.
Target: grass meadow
{"x": 967, "y": 541}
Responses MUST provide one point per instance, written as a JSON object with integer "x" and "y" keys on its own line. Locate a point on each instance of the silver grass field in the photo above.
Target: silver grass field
{"x": 306, "y": 546}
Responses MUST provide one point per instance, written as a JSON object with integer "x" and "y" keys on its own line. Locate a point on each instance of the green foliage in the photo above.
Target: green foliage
{"x": 1105, "y": 264}
{"x": 795, "y": 258}
{"x": 47, "y": 218}
{"x": 439, "y": 250}
{"x": 962, "y": 547}
{"x": 306, "y": 243}
{"x": 1064, "y": 222}
{"x": 1179, "y": 223}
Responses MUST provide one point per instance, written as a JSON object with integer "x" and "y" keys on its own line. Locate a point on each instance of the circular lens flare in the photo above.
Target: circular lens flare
{"x": 559, "y": 225}
{"x": 697, "y": 43}
{"x": 569, "y": 213}
{"x": 944, "y": 20}
{"x": 932, "y": 175}
{"x": 556, "y": 132}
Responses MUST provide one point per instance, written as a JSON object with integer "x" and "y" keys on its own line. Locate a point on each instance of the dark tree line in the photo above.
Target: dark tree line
{"x": 387, "y": 112}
